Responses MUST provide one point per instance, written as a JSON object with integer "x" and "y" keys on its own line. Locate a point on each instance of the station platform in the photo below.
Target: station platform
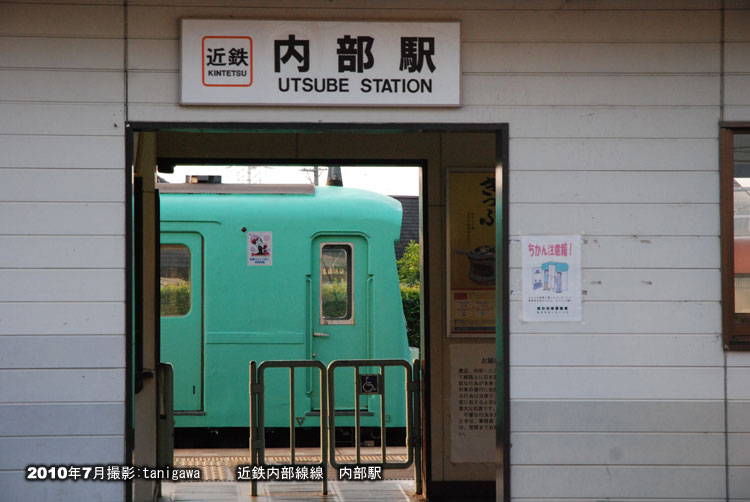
{"x": 219, "y": 481}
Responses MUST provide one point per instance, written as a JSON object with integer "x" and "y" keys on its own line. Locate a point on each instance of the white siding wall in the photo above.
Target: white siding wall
{"x": 628, "y": 403}
{"x": 62, "y": 311}
{"x": 613, "y": 110}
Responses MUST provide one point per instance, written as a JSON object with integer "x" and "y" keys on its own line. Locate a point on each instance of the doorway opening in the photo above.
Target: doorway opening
{"x": 287, "y": 262}
{"x": 435, "y": 151}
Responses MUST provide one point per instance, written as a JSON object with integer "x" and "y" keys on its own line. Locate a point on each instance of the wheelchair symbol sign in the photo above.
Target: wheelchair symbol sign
{"x": 369, "y": 384}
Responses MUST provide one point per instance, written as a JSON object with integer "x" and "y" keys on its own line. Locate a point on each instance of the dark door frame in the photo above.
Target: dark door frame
{"x": 447, "y": 489}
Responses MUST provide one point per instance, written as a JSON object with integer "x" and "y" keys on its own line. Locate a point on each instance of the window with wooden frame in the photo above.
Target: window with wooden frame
{"x": 735, "y": 235}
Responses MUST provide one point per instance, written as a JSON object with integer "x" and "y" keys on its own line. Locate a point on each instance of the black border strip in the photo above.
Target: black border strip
{"x": 502, "y": 428}
{"x": 129, "y": 436}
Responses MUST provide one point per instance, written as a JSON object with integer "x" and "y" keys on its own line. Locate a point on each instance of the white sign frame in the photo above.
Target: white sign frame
{"x": 266, "y": 62}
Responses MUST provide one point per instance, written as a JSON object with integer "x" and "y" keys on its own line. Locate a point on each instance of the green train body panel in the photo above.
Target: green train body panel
{"x": 229, "y": 312}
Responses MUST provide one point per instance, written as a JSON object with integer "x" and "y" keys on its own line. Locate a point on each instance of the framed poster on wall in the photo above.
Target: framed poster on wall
{"x": 470, "y": 249}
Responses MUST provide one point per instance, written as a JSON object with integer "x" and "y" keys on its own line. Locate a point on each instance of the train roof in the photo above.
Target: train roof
{"x": 336, "y": 206}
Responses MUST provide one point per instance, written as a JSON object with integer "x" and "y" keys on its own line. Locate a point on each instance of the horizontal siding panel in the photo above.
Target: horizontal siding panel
{"x": 737, "y": 25}
{"x": 62, "y": 185}
{"x": 48, "y": 20}
{"x": 102, "y": 152}
{"x": 737, "y": 90}
{"x": 630, "y": 317}
{"x": 600, "y": 57}
{"x": 476, "y": 25}
{"x": 61, "y": 53}
{"x": 738, "y": 383}
{"x": 615, "y": 219}
{"x": 528, "y": 122}
{"x": 738, "y": 359}
{"x": 738, "y": 416}
{"x": 614, "y": 187}
{"x": 62, "y": 119}
{"x": 617, "y": 449}
{"x": 153, "y": 54}
{"x": 62, "y": 419}
{"x": 739, "y": 449}
{"x": 616, "y": 383}
{"x": 62, "y": 252}
{"x": 611, "y": 122}
{"x": 737, "y": 57}
{"x": 614, "y": 154}
{"x": 737, "y": 113}
{"x": 153, "y": 87}
{"x": 641, "y": 252}
{"x": 591, "y": 26}
{"x": 62, "y": 385}
{"x": 161, "y": 21}
{"x": 89, "y": 351}
{"x": 617, "y": 416}
{"x": 590, "y": 90}
{"x": 616, "y": 350}
{"x": 94, "y": 318}
{"x": 16, "y": 487}
{"x": 30, "y": 285}
{"x": 27, "y": 218}
{"x": 18, "y": 452}
{"x": 739, "y": 483}
{"x": 641, "y": 285}
{"x": 515, "y": 90}
{"x": 70, "y": 86}
{"x": 631, "y": 482}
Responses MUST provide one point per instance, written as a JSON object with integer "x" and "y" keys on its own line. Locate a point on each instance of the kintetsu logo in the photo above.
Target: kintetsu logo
{"x": 227, "y": 61}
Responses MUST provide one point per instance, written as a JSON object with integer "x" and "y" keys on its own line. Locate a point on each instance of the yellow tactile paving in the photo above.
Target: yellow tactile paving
{"x": 223, "y": 468}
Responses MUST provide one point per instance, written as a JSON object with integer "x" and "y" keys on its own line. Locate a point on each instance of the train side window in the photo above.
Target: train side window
{"x": 735, "y": 231}
{"x": 336, "y": 284}
{"x": 174, "y": 283}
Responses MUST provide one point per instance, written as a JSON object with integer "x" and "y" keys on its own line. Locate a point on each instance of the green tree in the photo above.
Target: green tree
{"x": 408, "y": 265}
{"x": 408, "y": 275}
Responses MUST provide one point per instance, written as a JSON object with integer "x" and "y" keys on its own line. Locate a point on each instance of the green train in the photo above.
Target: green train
{"x": 278, "y": 272}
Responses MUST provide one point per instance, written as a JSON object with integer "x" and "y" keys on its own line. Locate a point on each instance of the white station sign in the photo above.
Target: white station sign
{"x": 263, "y": 62}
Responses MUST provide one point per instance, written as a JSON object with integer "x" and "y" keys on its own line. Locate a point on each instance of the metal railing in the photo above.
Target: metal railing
{"x": 365, "y": 384}
{"x": 257, "y": 414}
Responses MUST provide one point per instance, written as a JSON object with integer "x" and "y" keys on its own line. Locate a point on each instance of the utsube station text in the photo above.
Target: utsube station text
{"x": 342, "y": 85}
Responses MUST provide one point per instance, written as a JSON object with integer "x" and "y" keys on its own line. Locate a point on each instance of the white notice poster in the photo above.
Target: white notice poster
{"x": 473, "y": 409}
{"x": 551, "y": 278}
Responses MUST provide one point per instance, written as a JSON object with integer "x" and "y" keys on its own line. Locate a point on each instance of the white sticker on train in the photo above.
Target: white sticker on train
{"x": 259, "y": 249}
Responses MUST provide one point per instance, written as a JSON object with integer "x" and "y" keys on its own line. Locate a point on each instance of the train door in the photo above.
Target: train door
{"x": 182, "y": 315}
{"x": 341, "y": 300}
